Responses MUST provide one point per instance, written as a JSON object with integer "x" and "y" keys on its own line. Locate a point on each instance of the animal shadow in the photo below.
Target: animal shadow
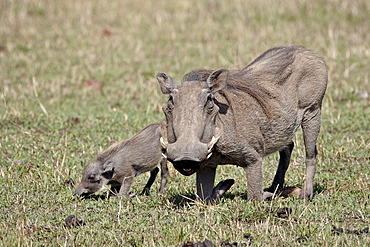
{"x": 189, "y": 199}
{"x": 319, "y": 188}
{"x": 182, "y": 200}
{"x": 95, "y": 197}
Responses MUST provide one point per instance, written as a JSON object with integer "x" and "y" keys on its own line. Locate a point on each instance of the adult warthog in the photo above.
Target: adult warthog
{"x": 238, "y": 117}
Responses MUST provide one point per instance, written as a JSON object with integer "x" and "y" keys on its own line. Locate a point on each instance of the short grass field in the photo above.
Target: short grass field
{"x": 76, "y": 76}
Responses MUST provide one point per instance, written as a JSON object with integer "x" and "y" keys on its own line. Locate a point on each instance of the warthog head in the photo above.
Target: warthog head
{"x": 191, "y": 119}
{"x": 96, "y": 175}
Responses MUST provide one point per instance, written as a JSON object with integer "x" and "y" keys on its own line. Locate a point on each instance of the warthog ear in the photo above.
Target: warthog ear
{"x": 217, "y": 80}
{"x": 108, "y": 169}
{"x": 166, "y": 83}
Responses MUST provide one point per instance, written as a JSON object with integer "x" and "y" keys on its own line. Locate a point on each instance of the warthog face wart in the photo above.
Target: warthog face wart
{"x": 190, "y": 112}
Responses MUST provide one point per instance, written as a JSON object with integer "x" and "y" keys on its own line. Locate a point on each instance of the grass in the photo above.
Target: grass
{"x": 53, "y": 124}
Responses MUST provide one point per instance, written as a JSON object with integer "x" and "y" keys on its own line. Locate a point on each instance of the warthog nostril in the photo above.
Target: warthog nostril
{"x": 81, "y": 194}
{"x": 186, "y": 159}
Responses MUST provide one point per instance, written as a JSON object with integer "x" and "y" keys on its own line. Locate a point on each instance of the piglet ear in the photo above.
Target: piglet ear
{"x": 108, "y": 169}
{"x": 217, "y": 80}
{"x": 166, "y": 83}
{"x": 108, "y": 165}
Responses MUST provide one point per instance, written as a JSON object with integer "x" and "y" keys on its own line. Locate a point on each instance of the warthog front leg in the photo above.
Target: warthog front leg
{"x": 283, "y": 165}
{"x": 254, "y": 180}
{"x": 205, "y": 180}
{"x": 126, "y": 185}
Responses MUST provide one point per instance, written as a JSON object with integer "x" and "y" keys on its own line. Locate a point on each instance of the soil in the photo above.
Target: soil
{"x": 225, "y": 243}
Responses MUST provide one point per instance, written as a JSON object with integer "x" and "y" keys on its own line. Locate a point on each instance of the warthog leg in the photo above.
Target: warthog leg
{"x": 205, "y": 180}
{"x": 126, "y": 185}
{"x": 283, "y": 165}
{"x": 164, "y": 175}
{"x": 311, "y": 128}
{"x": 221, "y": 188}
{"x": 153, "y": 175}
{"x": 254, "y": 180}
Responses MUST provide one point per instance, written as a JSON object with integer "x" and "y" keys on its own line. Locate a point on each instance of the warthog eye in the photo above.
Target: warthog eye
{"x": 169, "y": 106}
{"x": 209, "y": 104}
{"x": 170, "y": 99}
{"x": 93, "y": 178}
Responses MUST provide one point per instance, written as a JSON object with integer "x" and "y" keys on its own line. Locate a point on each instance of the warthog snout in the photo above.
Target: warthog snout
{"x": 81, "y": 192}
{"x": 187, "y": 157}
{"x": 186, "y": 167}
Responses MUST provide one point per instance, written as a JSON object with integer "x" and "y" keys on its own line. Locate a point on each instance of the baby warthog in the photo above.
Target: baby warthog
{"x": 123, "y": 161}
{"x": 219, "y": 117}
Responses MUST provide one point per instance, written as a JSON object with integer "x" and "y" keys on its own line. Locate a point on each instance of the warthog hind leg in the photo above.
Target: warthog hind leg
{"x": 164, "y": 175}
{"x": 153, "y": 175}
{"x": 283, "y": 165}
{"x": 311, "y": 129}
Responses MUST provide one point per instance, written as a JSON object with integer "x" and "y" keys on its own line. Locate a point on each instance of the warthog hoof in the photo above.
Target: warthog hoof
{"x": 284, "y": 192}
{"x": 221, "y": 188}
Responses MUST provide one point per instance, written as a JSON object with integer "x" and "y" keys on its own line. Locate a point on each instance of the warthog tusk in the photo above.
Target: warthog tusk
{"x": 212, "y": 143}
{"x": 164, "y": 156}
{"x": 209, "y": 155}
{"x": 164, "y": 146}
{"x": 215, "y": 137}
{"x": 163, "y": 143}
